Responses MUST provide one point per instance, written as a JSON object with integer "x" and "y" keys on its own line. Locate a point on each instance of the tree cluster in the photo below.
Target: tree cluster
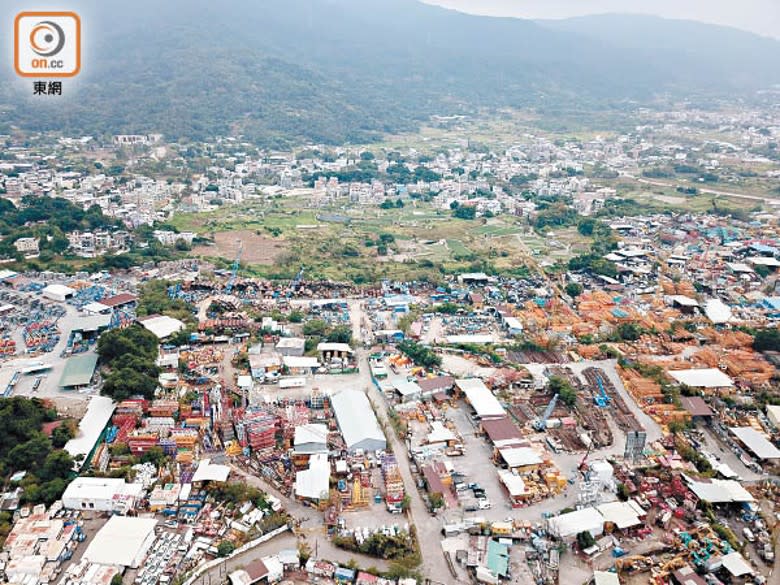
{"x": 130, "y": 356}
{"x": 318, "y": 330}
{"x": 379, "y": 545}
{"x": 566, "y": 393}
{"x": 767, "y": 340}
{"x": 23, "y": 447}
{"x": 420, "y": 354}
{"x": 50, "y": 219}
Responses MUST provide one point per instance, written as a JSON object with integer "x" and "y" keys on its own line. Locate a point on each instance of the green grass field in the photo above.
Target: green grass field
{"x": 457, "y": 248}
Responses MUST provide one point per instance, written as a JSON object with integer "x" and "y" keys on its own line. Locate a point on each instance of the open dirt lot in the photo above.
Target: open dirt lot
{"x": 257, "y": 249}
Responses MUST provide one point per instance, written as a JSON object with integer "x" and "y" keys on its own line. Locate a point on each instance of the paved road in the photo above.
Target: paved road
{"x": 774, "y": 572}
{"x": 434, "y": 565}
{"x": 726, "y": 455}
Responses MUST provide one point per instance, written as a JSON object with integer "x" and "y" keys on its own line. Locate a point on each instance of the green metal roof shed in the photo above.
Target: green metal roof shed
{"x": 78, "y": 371}
{"x": 498, "y": 559}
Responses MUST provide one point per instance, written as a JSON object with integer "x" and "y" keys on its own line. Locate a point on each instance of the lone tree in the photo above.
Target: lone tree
{"x": 566, "y": 393}
{"x": 585, "y": 540}
{"x": 574, "y": 289}
{"x": 225, "y": 548}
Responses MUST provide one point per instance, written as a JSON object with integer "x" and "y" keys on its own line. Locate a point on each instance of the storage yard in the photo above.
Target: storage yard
{"x": 630, "y": 431}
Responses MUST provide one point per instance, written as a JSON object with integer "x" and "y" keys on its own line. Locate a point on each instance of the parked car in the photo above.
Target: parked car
{"x": 748, "y": 534}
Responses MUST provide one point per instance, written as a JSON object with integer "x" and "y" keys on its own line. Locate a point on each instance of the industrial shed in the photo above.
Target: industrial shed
{"x": 408, "y": 391}
{"x": 573, "y": 523}
{"x": 300, "y": 365}
{"x": 718, "y": 491}
{"x": 438, "y": 384}
{"x": 773, "y": 414}
{"x": 622, "y": 514}
{"x": 736, "y": 564}
{"x": 208, "y": 471}
{"x": 756, "y": 442}
{"x": 311, "y": 438}
{"x": 314, "y": 483}
{"x": 514, "y": 485}
{"x": 520, "y": 457}
{"x": 161, "y": 325}
{"x": 91, "y": 428}
{"x": 101, "y": 494}
{"x": 481, "y": 398}
{"x": 328, "y": 351}
{"x": 291, "y": 346}
{"x": 605, "y": 578}
{"x": 58, "y": 292}
{"x": 254, "y": 572}
{"x": 78, "y": 371}
{"x": 702, "y": 378}
{"x": 136, "y": 536}
{"x": 696, "y": 406}
{"x": 357, "y": 421}
{"x": 717, "y": 311}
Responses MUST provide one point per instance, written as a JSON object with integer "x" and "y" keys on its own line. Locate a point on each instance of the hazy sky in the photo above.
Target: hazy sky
{"x": 760, "y": 16}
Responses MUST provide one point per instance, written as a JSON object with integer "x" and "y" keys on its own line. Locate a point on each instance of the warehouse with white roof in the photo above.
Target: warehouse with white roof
{"x": 58, "y": 292}
{"x": 773, "y": 414}
{"x": 718, "y": 491}
{"x": 208, "y": 471}
{"x": 571, "y": 524}
{"x": 717, "y": 311}
{"x": 102, "y": 494}
{"x": 357, "y": 421}
{"x": 520, "y": 457}
{"x": 756, "y": 442}
{"x": 136, "y": 536}
{"x": 482, "y": 400}
{"x": 161, "y": 325}
{"x": 702, "y": 378}
{"x": 311, "y": 438}
{"x": 90, "y": 428}
{"x": 622, "y": 514}
{"x": 314, "y": 483}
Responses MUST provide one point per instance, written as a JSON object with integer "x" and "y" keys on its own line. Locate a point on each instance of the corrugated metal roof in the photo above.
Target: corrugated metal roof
{"x": 91, "y": 426}
{"x": 756, "y": 442}
{"x": 78, "y": 370}
{"x": 356, "y": 418}
{"x": 481, "y": 398}
{"x": 702, "y": 378}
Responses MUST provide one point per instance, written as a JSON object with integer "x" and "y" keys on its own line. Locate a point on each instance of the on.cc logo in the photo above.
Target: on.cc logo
{"x": 47, "y": 44}
{"x": 47, "y": 38}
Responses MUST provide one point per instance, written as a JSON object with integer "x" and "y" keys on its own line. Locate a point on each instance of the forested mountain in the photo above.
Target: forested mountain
{"x": 283, "y": 71}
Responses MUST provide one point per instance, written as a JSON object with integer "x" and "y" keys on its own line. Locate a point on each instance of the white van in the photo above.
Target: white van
{"x": 748, "y": 534}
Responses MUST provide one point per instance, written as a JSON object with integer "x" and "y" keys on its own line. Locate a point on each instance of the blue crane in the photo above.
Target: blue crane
{"x": 295, "y": 282}
{"x": 540, "y": 424}
{"x": 298, "y": 277}
{"x": 234, "y": 269}
{"x": 602, "y": 398}
{"x": 174, "y": 290}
